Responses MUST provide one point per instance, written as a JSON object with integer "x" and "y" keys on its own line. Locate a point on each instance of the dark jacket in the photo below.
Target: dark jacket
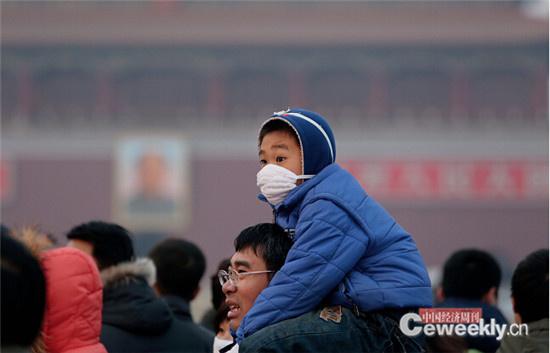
{"x": 536, "y": 341}
{"x": 486, "y": 344}
{"x": 203, "y": 339}
{"x": 136, "y": 320}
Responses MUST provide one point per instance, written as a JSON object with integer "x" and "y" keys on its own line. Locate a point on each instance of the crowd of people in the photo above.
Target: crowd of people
{"x": 93, "y": 295}
{"x": 334, "y": 272}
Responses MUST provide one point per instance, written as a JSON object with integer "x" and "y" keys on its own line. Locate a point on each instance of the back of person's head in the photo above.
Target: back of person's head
{"x": 111, "y": 243}
{"x": 268, "y": 241}
{"x": 23, "y": 293}
{"x": 470, "y": 273}
{"x": 530, "y": 287}
{"x": 4, "y": 230}
{"x": 180, "y": 266}
{"x": 312, "y": 132}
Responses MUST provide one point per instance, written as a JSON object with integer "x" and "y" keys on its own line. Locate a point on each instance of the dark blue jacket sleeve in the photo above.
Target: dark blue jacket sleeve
{"x": 328, "y": 245}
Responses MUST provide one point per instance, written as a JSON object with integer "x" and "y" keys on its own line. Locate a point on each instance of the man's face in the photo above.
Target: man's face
{"x": 241, "y": 297}
{"x": 152, "y": 173}
{"x": 282, "y": 149}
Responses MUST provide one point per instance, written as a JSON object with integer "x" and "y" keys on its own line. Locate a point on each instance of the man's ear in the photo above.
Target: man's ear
{"x": 196, "y": 292}
{"x": 157, "y": 289}
{"x": 517, "y": 316}
{"x": 439, "y": 294}
{"x": 490, "y": 297}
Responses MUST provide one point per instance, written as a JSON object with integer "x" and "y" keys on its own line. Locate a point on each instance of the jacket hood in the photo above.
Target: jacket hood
{"x": 314, "y": 135}
{"x": 130, "y": 303}
{"x": 142, "y": 267}
{"x": 72, "y": 319}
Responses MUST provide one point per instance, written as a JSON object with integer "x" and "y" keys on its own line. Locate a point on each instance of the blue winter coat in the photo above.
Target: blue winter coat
{"x": 347, "y": 249}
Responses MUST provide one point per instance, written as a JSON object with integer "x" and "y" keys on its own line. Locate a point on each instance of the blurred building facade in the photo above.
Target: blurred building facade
{"x": 410, "y": 83}
{"x": 176, "y": 63}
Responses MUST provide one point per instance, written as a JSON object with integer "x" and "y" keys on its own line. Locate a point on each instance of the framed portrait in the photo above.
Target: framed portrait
{"x": 152, "y": 182}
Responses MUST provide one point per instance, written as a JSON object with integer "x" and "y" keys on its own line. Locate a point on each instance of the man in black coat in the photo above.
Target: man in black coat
{"x": 471, "y": 278}
{"x": 134, "y": 318}
{"x": 180, "y": 266}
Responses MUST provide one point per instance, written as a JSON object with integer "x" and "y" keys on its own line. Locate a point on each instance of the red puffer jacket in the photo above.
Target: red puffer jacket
{"x": 72, "y": 321}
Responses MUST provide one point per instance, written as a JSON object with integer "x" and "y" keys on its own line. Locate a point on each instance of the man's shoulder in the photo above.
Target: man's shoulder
{"x": 179, "y": 337}
{"x": 158, "y": 331}
{"x": 196, "y": 330}
{"x": 183, "y": 319}
{"x": 488, "y": 311}
{"x": 192, "y": 335}
{"x": 536, "y": 339}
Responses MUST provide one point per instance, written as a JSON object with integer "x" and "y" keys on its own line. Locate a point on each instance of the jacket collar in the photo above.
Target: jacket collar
{"x": 131, "y": 304}
{"x": 142, "y": 267}
{"x": 179, "y": 306}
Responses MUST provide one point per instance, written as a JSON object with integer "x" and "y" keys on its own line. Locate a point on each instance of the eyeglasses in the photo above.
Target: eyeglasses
{"x": 234, "y": 276}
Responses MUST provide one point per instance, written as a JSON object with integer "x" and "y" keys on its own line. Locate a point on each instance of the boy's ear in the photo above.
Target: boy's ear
{"x": 517, "y": 316}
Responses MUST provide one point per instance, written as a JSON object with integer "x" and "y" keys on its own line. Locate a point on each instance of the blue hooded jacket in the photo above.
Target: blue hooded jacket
{"x": 347, "y": 249}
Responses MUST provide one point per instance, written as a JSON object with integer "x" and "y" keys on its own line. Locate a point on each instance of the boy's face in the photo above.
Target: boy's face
{"x": 241, "y": 296}
{"x": 282, "y": 149}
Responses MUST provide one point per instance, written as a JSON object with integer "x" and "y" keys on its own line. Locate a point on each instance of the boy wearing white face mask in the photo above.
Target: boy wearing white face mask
{"x": 347, "y": 249}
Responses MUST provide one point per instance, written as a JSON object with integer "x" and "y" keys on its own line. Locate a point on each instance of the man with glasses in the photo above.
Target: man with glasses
{"x": 260, "y": 251}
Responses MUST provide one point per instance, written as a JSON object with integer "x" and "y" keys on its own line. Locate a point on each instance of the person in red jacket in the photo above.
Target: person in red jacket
{"x": 74, "y": 294}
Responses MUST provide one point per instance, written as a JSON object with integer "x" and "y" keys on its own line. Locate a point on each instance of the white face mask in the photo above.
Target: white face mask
{"x": 275, "y": 182}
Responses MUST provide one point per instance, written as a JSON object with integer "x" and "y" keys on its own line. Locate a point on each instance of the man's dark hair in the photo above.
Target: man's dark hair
{"x": 180, "y": 266}
{"x": 277, "y": 125}
{"x": 23, "y": 293}
{"x": 470, "y": 273}
{"x": 268, "y": 241}
{"x": 530, "y": 287}
{"x": 112, "y": 243}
